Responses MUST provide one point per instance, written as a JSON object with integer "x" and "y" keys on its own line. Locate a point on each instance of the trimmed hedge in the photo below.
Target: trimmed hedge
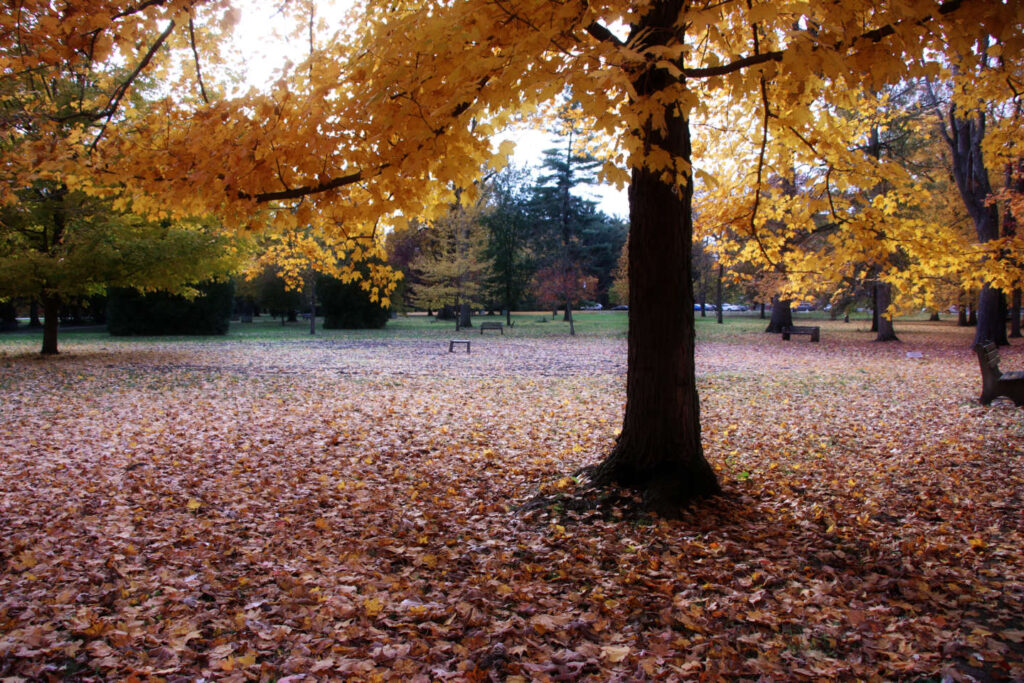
{"x": 159, "y": 313}
{"x": 347, "y": 306}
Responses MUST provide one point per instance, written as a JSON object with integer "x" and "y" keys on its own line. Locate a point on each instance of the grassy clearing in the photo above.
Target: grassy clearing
{"x": 269, "y": 504}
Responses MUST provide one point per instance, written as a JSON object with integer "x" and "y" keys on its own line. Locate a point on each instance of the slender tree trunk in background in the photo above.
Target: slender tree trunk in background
{"x": 762, "y": 311}
{"x": 312, "y": 304}
{"x": 972, "y": 316}
{"x": 33, "y": 314}
{"x": 782, "y": 316}
{"x": 568, "y": 317}
{"x": 659, "y": 449}
{"x": 883, "y": 299}
{"x": 934, "y": 317}
{"x": 961, "y": 317}
{"x": 718, "y": 295}
{"x": 51, "y": 321}
{"x": 465, "y": 315}
{"x": 1015, "y": 308}
{"x": 874, "y": 308}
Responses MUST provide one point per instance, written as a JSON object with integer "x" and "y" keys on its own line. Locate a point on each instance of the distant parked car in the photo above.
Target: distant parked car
{"x": 595, "y": 307}
{"x": 620, "y": 307}
{"x": 804, "y": 308}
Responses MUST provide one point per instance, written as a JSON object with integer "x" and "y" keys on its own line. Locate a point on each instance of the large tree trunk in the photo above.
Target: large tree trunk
{"x": 51, "y": 321}
{"x": 465, "y": 315}
{"x": 991, "y": 325}
{"x": 883, "y": 298}
{"x": 659, "y": 450}
{"x": 782, "y": 316}
{"x": 965, "y": 136}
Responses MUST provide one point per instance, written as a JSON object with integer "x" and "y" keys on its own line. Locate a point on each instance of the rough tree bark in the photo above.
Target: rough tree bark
{"x": 964, "y": 136}
{"x": 51, "y": 321}
{"x": 883, "y": 298}
{"x": 465, "y": 315}
{"x": 659, "y": 450}
{"x": 782, "y": 316}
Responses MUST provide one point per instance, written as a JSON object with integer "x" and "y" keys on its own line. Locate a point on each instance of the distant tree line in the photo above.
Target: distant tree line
{"x": 535, "y": 242}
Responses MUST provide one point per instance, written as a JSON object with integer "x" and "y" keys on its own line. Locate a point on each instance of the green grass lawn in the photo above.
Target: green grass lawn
{"x": 612, "y": 324}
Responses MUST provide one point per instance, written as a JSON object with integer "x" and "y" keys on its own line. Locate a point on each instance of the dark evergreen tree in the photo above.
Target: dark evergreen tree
{"x": 130, "y": 312}
{"x": 508, "y": 226}
{"x": 570, "y": 234}
{"x": 347, "y": 305}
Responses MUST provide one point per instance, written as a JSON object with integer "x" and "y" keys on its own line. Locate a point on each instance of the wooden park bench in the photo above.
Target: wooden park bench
{"x": 492, "y": 326}
{"x": 995, "y": 382}
{"x": 453, "y": 342}
{"x": 813, "y": 332}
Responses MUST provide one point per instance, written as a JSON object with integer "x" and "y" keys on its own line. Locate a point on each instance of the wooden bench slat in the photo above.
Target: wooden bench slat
{"x": 492, "y": 326}
{"x": 813, "y": 332}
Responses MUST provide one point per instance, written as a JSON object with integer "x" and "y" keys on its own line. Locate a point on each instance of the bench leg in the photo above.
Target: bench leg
{"x": 814, "y": 336}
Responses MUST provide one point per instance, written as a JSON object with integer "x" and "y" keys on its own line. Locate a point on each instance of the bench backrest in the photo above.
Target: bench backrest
{"x": 988, "y": 357}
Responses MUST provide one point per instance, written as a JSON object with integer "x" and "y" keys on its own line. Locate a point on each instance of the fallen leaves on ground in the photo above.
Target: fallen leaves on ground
{"x": 349, "y": 510}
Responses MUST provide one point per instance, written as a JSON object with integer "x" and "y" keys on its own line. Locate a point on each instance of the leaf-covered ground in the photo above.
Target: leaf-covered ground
{"x": 349, "y": 509}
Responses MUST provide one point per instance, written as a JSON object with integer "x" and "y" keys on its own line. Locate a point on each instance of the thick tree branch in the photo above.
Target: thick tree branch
{"x": 306, "y": 190}
{"x": 874, "y": 36}
{"x": 601, "y": 32}
{"x": 141, "y": 7}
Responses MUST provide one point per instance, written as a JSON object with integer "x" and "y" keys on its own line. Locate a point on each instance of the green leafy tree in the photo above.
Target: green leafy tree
{"x": 61, "y": 246}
